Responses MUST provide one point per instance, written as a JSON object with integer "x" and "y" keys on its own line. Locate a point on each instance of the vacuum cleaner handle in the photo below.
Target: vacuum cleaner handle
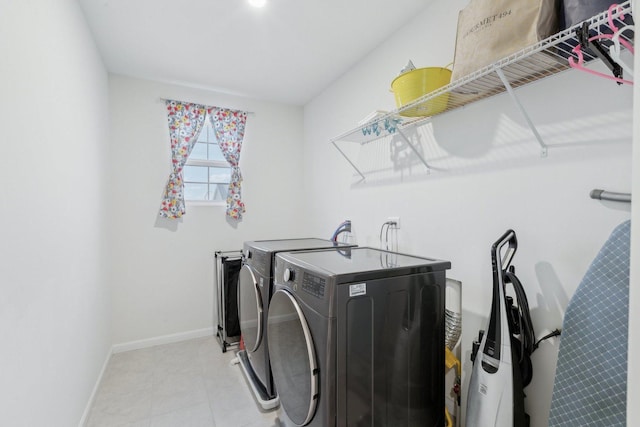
{"x": 509, "y": 237}
{"x": 492, "y": 345}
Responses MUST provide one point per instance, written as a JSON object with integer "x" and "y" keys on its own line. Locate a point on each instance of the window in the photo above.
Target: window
{"x": 206, "y": 173}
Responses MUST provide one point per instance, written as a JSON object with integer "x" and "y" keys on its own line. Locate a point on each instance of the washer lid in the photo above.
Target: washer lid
{"x": 359, "y": 261}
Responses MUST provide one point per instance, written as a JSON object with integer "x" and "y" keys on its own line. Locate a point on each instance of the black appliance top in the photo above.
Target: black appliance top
{"x": 362, "y": 261}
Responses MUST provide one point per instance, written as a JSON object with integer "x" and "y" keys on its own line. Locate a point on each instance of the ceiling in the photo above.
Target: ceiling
{"x": 288, "y": 51}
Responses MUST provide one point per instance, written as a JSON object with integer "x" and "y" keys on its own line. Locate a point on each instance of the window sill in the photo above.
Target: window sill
{"x": 205, "y": 203}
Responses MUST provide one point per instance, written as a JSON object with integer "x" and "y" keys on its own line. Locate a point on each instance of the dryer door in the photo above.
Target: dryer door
{"x": 250, "y": 308}
{"x": 293, "y": 358}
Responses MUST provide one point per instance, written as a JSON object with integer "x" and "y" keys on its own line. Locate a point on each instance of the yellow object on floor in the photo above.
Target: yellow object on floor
{"x": 451, "y": 360}
{"x": 448, "y": 417}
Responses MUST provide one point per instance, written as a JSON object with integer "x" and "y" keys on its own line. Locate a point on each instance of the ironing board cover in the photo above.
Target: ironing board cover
{"x": 591, "y": 376}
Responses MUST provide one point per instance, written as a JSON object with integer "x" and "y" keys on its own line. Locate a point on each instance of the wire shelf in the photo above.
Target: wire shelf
{"x": 546, "y": 58}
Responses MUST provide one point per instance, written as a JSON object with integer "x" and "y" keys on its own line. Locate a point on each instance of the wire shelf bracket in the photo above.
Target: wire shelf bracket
{"x": 523, "y": 111}
{"x": 348, "y": 159}
{"x": 415, "y": 151}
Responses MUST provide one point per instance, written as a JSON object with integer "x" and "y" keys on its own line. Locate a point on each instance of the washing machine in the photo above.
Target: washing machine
{"x": 356, "y": 338}
{"x": 254, "y": 292}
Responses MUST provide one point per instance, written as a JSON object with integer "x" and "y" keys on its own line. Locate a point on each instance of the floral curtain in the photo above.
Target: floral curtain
{"x": 229, "y": 128}
{"x": 185, "y": 123}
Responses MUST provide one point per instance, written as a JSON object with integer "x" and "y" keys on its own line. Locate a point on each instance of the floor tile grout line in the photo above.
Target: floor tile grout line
{"x": 173, "y": 357}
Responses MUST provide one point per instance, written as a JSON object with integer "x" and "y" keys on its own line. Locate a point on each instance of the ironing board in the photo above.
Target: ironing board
{"x": 590, "y": 387}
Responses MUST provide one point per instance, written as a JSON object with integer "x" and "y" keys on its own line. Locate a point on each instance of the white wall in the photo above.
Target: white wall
{"x": 488, "y": 177}
{"x": 54, "y": 300}
{"x": 162, "y": 272}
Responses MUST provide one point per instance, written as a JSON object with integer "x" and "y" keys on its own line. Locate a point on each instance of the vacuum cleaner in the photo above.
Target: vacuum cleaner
{"x": 501, "y": 355}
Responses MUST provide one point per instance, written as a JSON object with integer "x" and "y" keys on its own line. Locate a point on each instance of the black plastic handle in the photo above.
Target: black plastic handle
{"x": 582, "y": 35}
{"x": 509, "y": 237}
{"x": 493, "y": 342}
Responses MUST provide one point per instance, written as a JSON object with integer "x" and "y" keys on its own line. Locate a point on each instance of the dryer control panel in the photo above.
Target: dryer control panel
{"x": 310, "y": 283}
{"x": 313, "y": 284}
{"x": 309, "y": 287}
{"x": 257, "y": 259}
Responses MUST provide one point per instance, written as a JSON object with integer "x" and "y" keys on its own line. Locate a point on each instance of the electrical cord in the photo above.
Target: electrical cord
{"x": 386, "y": 237}
{"x": 527, "y": 334}
{"x": 556, "y": 332}
{"x": 381, "y": 230}
{"x": 387, "y": 225}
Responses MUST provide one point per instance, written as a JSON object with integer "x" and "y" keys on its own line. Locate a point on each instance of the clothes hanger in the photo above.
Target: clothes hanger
{"x": 592, "y": 42}
{"x": 580, "y": 64}
{"x": 615, "y": 50}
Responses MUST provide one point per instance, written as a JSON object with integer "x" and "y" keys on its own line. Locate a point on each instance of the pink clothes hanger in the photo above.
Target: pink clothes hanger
{"x": 612, "y": 25}
{"x": 580, "y": 64}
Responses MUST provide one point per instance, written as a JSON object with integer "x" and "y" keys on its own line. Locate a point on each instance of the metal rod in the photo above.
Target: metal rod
{"x": 507, "y": 85}
{"x": 250, "y": 113}
{"x": 348, "y": 160}
{"x": 598, "y": 194}
{"x": 414, "y": 150}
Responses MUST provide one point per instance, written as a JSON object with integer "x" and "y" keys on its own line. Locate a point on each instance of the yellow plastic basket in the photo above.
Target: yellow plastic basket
{"x": 413, "y": 84}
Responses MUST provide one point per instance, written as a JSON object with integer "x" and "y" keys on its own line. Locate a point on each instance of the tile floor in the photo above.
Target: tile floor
{"x": 186, "y": 384}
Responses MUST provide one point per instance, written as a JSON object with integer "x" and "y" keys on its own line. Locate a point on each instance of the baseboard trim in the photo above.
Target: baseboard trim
{"x": 87, "y": 409}
{"x": 136, "y": 345}
{"x": 164, "y": 339}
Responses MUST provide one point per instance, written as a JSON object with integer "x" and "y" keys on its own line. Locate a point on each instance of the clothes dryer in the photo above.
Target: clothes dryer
{"x": 356, "y": 337}
{"x": 254, "y": 292}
